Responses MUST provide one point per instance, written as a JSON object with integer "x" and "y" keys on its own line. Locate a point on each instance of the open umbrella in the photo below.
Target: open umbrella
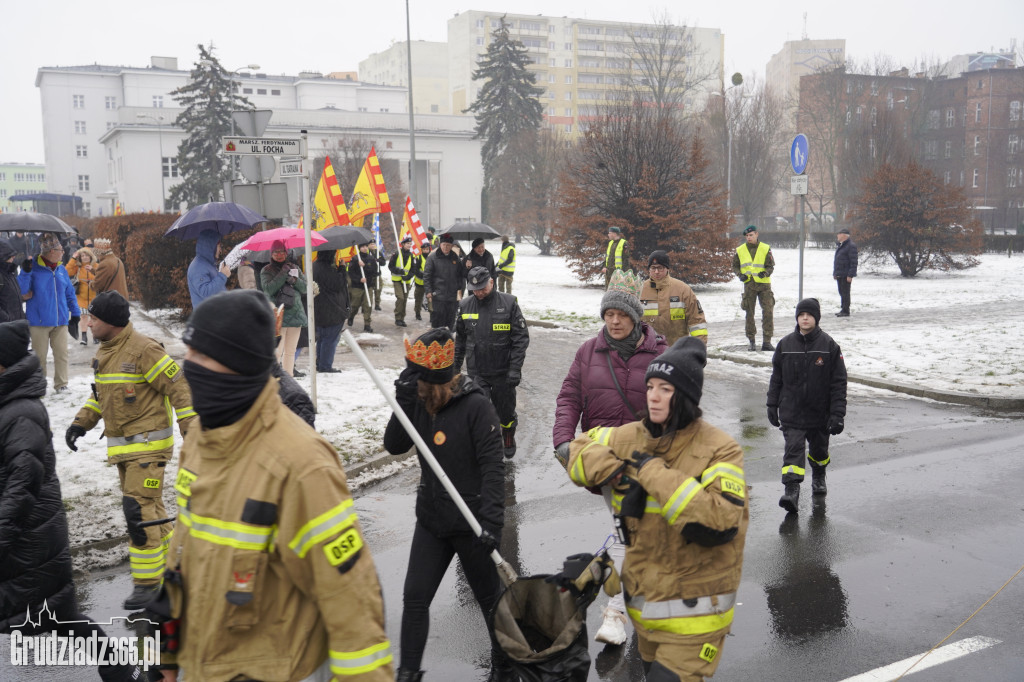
{"x": 27, "y": 221}
{"x": 223, "y": 216}
{"x": 470, "y": 231}
{"x": 344, "y": 236}
{"x": 292, "y": 237}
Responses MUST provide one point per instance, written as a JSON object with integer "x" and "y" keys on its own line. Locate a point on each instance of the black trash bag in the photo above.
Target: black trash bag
{"x": 540, "y": 622}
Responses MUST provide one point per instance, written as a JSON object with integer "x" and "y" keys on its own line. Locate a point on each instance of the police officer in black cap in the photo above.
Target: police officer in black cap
{"x": 491, "y": 335}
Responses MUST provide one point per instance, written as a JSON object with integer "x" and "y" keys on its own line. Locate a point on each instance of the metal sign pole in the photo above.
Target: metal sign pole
{"x": 311, "y": 315}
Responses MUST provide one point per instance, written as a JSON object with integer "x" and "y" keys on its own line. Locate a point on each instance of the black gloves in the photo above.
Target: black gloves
{"x": 773, "y": 416}
{"x": 762, "y": 274}
{"x": 73, "y": 433}
{"x": 562, "y": 454}
{"x": 489, "y": 540}
{"x": 406, "y": 387}
{"x": 835, "y": 425}
{"x": 26, "y": 265}
{"x": 73, "y": 326}
{"x": 640, "y": 460}
{"x": 513, "y": 377}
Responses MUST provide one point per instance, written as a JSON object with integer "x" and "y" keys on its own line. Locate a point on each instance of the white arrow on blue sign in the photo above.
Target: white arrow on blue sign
{"x": 798, "y": 154}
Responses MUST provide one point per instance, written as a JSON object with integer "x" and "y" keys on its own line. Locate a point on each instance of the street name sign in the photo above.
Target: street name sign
{"x": 261, "y": 146}
{"x": 290, "y": 168}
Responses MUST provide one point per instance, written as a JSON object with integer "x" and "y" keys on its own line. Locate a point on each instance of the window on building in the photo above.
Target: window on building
{"x": 479, "y": 40}
{"x": 479, "y": 23}
{"x": 551, "y": 95}
{"x": 78, "y": 101}
{"x": 81, "y": 151}
{"x": 974, "y": 181}
{"x": 362, "y": 109}
{"x": 947, "y": 176}
{"x": 434, "y": 109}
{"x": 981, "y": 83}
{"x": 111, "y": 124}
{"x": 551, "y": 78}
{"x": 889, "y": 101}
{"x": 874, "y": 117}
{"x": 551, "y": 45}
{"x": 1015, "y": 110}
{"x": 977, "y": 112}
{"x": 158, "y": 101}
{"x": 1014, "y": 144}
{"x": 110, "y": 102}
{"x": 551, "y": 62}
{"x": 3, "y": 193}
{"x": 568, "y": 63}
{"x": 275, "y": 93}
{"x": 849, "y": 116}
{"x": 963, "y": 117}
{"x": 977, "y": 145}
{"x": 568, "y": 111}
{"x": 1011, "y": 177}
{"x": 933, "y": 119}
{"x": 948, "y": 151}
{"x": 83, "y": 183}
{"x": 874, "y": 87}
{"x": 568, "y": 46}
{"x": 529, "y": 26}
{"x": 80, "y": 127}
{"x": 568, "y": 97}
{"x": 950, "y": 117}
{"x": 170, "y": 166}
{"x": 261, "y": 91}
{"x": 849, "y": 87}
{"x": 246, "y": 91}
{"x": 930, "y": 147}
{"x": 384, "y": 110}
{"x": 961, "y": 178}
{"x": 871, "y": 147}
{"x": 551, "y": 28}
{"x": 568, "y": 127}
{"x": 568, "y": 80}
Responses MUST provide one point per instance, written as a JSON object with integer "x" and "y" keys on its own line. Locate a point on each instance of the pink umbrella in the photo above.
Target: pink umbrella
{"x": 292, "y": 237}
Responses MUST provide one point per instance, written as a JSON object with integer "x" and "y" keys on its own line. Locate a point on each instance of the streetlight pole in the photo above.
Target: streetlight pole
{"x": 737, "y": 80}
{"x": 412, "y": 124}
{"x": 160, "y": 136}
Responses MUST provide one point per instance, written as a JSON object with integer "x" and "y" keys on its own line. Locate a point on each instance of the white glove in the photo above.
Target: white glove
{"x": 294, "y": 272}
{"x": 316, "y": 289}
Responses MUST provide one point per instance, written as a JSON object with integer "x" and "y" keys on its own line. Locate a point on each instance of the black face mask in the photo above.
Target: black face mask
{"x": 222, "y": 399}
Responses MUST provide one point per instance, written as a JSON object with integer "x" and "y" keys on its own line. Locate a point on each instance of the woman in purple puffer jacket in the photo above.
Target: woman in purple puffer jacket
{"x": 590, "y": 397}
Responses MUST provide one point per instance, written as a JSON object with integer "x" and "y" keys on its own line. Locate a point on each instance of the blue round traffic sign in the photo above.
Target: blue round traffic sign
{"x": 798, "y": 154}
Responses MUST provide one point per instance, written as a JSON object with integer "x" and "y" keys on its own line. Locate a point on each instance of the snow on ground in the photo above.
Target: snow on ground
{"x": 948, "y": 331}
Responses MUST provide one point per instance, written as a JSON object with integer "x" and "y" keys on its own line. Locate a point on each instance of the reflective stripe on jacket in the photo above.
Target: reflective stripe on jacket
{"x": 399, "y": 262}
{"x": 749, "y": 267}
{"x": 671, "y": 307}
{"x": 274, "y": 574}
{"x": 689, "y": 542}
{"x": 137, "y": 385}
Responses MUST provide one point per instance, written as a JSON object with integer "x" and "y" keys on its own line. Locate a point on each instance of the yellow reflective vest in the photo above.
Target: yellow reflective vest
{"x": 750, "y": 267}
{"x": 507, "y": 260}
{"x": 614, "y": 263}
{"x": 696, "y": 495}
{"x": 138, "y": 392}
{"x": 269, "y": 570}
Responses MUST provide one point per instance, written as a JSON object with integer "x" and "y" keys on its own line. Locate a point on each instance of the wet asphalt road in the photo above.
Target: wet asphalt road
{"x": 922, "y": 524}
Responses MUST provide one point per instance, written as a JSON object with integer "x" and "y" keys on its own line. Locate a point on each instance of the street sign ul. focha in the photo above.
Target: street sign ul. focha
{"x": 798, "y": 154}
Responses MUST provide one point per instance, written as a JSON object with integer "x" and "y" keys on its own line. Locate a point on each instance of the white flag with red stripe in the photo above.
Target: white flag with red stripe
{"x": 411, "y": 226}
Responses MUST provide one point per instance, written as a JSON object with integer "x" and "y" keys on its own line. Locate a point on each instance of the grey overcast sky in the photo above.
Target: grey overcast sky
{"x": 288, "y": 37}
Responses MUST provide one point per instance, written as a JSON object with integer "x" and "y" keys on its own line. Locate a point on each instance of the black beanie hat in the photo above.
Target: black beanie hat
{"x": 478, "y": 241}
{"x": 110, "y": 307}
{"x": 682, "y": 365}
{"x": 235, "y": 328}
{"x": 432, "y": 356}
{"x": 447, "y": 239}
{"x": 14, "y": 338}
{"x": 809, "y": 305}
{"x": 658, "y": 257}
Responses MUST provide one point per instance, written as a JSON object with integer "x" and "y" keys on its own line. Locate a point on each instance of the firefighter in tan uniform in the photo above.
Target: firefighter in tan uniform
{"x": 682, "y": 496}
{"x": 269, "y": 576}
{"x": 136, "y": 386}
{"x": 670, "y": 306}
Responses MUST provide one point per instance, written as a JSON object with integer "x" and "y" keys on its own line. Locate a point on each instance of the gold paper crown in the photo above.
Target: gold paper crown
{"x": 626, "y": 282}
{"x": 432, "y": 357}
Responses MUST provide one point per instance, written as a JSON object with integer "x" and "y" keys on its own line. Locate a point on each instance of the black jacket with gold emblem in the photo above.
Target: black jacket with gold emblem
{"x": 490, "y": 335}
{"x": 465, "y": 437}
{"x": 808, "y": 381}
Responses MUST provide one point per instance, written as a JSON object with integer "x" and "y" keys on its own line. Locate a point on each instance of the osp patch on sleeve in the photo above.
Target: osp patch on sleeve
{"x": 732, "y": 487}
{"x": 151, "y": 483}
{"x": 343, "y": 552}
{"x": 171, "y": 372}
{"x": 709, "y": 652}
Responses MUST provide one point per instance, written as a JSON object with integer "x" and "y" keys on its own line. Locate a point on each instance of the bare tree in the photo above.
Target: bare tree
{"x": 822, "y": 118}
{"x": 758, "y": 137}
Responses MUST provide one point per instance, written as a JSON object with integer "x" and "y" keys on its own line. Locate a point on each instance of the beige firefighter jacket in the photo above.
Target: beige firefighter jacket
{"x": 275, "y": 575}
{"x": 694, "y": 489}
{"x": 671, "y": 307}
{"x": 136, "y": 386}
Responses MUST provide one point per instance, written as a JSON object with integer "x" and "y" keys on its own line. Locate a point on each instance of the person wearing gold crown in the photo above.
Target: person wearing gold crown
{"x": 455, "y": 418}
{"x": 670, "y": 306}
{"x": 605, "y": 387}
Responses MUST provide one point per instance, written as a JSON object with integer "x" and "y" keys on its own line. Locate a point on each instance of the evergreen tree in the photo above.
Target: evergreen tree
{"x": 208, "y": 101}
{"x": 508, "y": 103}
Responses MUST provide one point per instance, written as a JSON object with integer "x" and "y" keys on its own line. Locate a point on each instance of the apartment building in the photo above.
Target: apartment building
{"x": 429, "y": 73}
{"x": 17, "y": 179}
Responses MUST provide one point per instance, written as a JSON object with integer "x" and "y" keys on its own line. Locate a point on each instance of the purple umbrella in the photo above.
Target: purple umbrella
{"x": 221, "y": 216}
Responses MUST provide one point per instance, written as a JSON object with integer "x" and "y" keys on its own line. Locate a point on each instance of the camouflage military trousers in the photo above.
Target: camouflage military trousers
{"x": 752, "y": 293}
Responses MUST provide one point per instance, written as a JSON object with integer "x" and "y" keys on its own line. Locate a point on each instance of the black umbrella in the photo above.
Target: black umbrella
{"x": 26, "y": 221}
{"x": 224, "y": 217}
{"x": 470, "y": 231}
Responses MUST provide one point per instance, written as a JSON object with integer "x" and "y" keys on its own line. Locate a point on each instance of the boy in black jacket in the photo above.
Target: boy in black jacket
{"x": 807, "y": 398}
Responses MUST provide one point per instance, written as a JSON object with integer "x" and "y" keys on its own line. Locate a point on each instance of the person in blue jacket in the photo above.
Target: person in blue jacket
{"x": 204, "y": 277}
{"x": 51, "y": 307}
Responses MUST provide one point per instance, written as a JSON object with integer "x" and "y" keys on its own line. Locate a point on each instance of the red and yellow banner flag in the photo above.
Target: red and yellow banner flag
{"x": 411, "y": 226}
{"x": 118, "y": 209}
{"x": 370, "y": 194}
{"x": 329, "y": 203}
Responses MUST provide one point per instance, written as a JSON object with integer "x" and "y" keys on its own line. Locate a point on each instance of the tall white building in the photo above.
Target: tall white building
{"x": 429, "y": 73}
{"x": 109, "y": 133}
{"x": 577, "y": 61}
{"x": 801, "y": 58}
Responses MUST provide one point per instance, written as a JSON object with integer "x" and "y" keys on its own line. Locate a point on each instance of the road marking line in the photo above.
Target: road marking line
{"x": 939, "y": 656}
